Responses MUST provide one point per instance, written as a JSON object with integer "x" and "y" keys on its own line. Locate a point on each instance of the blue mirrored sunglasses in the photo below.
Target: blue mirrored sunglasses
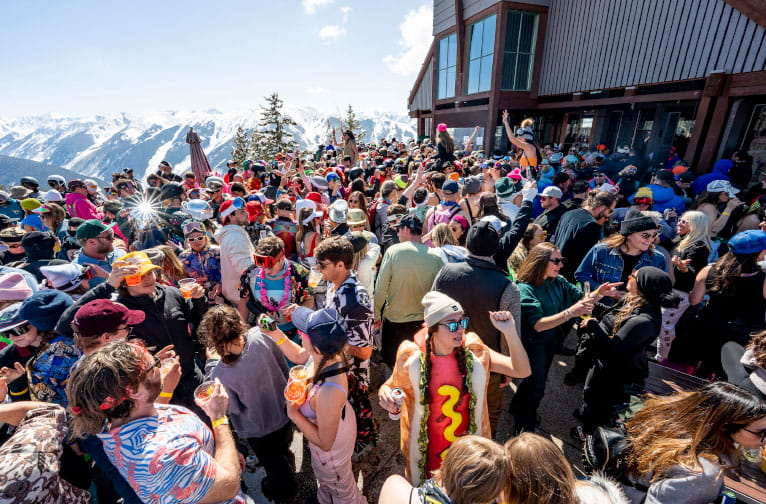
{"x": 454, "y": 326}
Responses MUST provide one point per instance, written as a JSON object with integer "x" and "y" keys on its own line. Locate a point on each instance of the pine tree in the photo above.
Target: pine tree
{"x": 240, "y": 150}
{"x": 351, "y": 123}
{"x": 272, "y": 136}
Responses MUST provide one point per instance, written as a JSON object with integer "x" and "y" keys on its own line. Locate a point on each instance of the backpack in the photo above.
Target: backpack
{"x": 443, "y": 214}
{"x": 606, "y": 451}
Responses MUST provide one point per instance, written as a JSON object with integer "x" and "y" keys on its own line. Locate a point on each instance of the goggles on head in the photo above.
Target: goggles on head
{"x": 267, "y": 262}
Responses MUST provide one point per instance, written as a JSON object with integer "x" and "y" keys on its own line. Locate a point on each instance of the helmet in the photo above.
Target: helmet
{"x": 171, "y": 190}
{"x": 29, "y": 180}
{"x": 61, "y": 181}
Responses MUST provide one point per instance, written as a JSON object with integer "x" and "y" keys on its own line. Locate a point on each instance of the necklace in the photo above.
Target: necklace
{"x": 261, "y": 288}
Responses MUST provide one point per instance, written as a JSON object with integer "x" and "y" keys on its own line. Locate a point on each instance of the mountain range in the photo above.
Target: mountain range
{"x": 97, "y": 146}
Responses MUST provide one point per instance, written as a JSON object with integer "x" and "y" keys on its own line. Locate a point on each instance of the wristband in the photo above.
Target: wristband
{"x": 166, "y": 394}
{"x": 727, "y": 214}
{"x": 282, "y": 340}
{"x": 19, "y": 393}
{"x": 220, "y": 421}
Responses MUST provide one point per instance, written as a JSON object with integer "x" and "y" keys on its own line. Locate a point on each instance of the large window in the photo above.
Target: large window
{"x": 480, "y": 56}
{"x": 447, "y": 62}
{"x": 519, "y": 52}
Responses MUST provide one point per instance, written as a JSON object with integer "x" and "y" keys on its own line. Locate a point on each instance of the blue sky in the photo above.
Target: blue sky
{"x": 79, "y": 57}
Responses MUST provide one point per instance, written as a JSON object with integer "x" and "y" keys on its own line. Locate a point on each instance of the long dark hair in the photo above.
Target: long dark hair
{"x": 533, "y": 268}
{"x": 729, "y": 269}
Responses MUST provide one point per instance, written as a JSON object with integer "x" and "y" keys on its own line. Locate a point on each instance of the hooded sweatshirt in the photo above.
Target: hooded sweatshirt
{"x": 80, "y": 206}
{"x": 236, "y": 256}
{"x": 720, "y": 171}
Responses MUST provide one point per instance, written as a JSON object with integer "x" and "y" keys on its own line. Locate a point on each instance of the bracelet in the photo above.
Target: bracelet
{"x": 727, "y": 214}
{"x": 220, "y": 421}
{"x": 282, "y": 340}
{"x": 19, "y": 393}
{"x": 568, "y": 313}
{"x": 166, "y": 394}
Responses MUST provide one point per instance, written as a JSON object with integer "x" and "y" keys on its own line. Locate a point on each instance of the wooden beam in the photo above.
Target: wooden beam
{"x": 754, "y": 9}
{"x": 713, "y": 134}
{"x": 620, "y": 100}
{"x": 461, "y": 49}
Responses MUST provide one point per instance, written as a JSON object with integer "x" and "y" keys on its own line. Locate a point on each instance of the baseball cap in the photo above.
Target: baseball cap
{"x": 665, "y": 175}
{"x": 139, "y": 259}
{"x": 92, "y": 228}
{"x": 9, "y": 317}
{"x": 254, "y": 209}
{"x": 324, "y": 328}
{"x": 104, "y": 315}
{"x": 552, "y": 192}
{"x": 748, "y": 242}
{"x": 450, "y": 187}
{"x": 411, "y": 222}
{"x": 64, "y": 277}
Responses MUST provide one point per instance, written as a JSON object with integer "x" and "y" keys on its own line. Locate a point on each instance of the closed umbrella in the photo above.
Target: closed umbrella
{"x": 199, "y": 164}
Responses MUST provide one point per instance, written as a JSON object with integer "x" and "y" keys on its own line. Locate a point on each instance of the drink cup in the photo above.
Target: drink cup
{"x": 297, "y": 385}
{"x": 314, "y": 278}
{"x": 185, "y": 285}
{"x": 133, "y": 280}
{"x": 204, "y": 391}
{"x": 399, "y": 399}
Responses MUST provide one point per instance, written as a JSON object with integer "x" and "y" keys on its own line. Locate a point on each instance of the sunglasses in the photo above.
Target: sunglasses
{"x": 761, "y": 433}
{"x": 648, "y": 236}
{"x": 129, "y": 330}
{"x": 557, "y": 260}
{"x": 454, "y": 326}
{"x": 266, "y": 262}
{"x": 17, "y": 331}
{"x": 12, "y": 244}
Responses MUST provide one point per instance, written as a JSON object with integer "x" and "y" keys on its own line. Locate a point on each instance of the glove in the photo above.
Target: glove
{"x": 529, "y": 193}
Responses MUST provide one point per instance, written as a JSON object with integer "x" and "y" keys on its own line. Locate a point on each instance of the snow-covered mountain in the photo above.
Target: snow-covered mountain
{"x": 100, "y": 145}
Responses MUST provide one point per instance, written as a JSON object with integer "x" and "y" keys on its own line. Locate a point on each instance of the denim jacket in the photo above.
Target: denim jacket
{"x": 604, "y": 264}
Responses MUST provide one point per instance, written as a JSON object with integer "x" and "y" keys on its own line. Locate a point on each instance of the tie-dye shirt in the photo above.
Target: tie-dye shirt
{"x": 168, "y": 458}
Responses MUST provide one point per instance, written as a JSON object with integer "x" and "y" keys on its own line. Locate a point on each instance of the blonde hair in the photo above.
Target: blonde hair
{"x": 699, "y": 230}
{"x": 475, "y": 469}
{"x": 527, "y": 123}
{"x": 441, "y": 234}
{"x": 539, "y": 472}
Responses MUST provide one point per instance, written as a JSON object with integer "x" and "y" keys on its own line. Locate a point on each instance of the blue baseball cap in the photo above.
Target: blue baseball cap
{"x": 748, "y": 242}
{"x": 324, "y": 328}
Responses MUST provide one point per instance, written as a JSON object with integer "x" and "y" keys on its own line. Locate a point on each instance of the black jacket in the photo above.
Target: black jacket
{"x": 576, "y": 234}
{"x": 513, "y": 236}
{"x": 168, "y": 319}
{"x": 549, "y": 219}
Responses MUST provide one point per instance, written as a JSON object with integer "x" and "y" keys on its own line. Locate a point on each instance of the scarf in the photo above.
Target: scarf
{"x": 757, "y": 373}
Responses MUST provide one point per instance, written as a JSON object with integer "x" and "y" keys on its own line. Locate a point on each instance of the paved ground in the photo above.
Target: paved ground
{"x": 555, "y": 412}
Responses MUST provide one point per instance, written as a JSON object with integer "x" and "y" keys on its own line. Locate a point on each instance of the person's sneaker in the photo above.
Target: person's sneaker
{"x": 571, "y": 379}
{"x": 578, "y": 434}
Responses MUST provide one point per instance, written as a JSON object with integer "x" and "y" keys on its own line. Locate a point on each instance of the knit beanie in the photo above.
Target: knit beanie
{"x": 438, "y": 306}
{"x": 635, "y": 222}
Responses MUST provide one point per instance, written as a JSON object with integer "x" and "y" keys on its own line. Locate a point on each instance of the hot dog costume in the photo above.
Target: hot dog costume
{"x": 426, "y": 433}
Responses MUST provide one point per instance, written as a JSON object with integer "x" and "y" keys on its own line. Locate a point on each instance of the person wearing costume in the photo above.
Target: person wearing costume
{"x": 444, "y": 374}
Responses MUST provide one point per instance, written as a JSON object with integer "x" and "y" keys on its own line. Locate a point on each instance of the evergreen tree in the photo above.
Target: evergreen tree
{"x": 272, "y": 136}
{"x": 240, "y": 150}
{"x": 351, "y": 123}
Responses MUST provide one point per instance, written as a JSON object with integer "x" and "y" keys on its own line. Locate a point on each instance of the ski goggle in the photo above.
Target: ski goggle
{"x": 454, "y": 326}
{"x": 267, "y": 262}
{"x": 193, "y": 226}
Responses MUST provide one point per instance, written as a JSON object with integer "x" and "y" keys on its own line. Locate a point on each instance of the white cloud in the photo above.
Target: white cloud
{"x": 310, "y": 6}
{"x": 317, "y": 91}
{"x": 331, "y": 32}
{"x": 345, "y": 10}
{"x": 415, "y": 40}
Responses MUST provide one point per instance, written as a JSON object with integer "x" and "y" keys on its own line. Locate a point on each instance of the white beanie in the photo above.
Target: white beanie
{"x": 438, "y": 306}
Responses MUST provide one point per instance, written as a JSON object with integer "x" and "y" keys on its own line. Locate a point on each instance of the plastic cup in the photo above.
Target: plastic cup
{"x": 204, "y": 390}
{"x": 314, "y": 278}
{"x": 297, "y": 385}
{"x": 133, "y": 280}
{"x": 185, "y": 285}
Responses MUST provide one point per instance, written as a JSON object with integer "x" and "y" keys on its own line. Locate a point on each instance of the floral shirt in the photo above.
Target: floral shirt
{"x": 48, "y": 372}
{"x": 250, "y": 287}
{"x": 204, "y": 264}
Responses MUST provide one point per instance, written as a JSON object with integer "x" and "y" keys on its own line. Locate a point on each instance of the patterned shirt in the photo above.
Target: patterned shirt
{"x": 168, "y": 458}
{"x": 49, "y": 370}
{"x": 353, "y": 304}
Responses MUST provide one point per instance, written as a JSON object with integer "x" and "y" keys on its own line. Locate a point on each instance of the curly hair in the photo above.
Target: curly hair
{"x": 679, "y": 429}
{"x": 108, "y": 374}
{"x": 270, "y": 246}
{"x": 758, "y": 346}
{"x": 221, "y": 325}
{"x": 335, "y": 249}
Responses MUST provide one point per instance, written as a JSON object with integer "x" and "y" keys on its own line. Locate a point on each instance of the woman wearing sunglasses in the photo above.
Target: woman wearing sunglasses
{"x": 548, "y": 305}
{"x": 619, "y": 343}
{"x": 201, "y": 259}
{"x": 682, "y": 445}
{"x": 444, "y": 374}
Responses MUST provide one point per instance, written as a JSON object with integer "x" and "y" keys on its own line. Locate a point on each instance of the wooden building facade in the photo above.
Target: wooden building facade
{"x": 648, "y": 74}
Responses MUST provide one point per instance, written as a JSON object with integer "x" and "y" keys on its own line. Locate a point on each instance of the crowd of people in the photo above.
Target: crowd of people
{"x": 157, "y": 332}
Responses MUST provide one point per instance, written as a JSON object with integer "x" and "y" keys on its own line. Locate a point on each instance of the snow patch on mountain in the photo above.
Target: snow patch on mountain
{"x": 99, "y": 145}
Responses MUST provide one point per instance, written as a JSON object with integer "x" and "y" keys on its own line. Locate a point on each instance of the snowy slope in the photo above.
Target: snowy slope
{"x": 102, "y": 144}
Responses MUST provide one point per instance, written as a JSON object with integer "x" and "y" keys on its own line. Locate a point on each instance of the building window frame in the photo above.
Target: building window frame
{"x": 512, "y": 56}
{"x": 446, "y": 71}
{"x": 480, "y": 59}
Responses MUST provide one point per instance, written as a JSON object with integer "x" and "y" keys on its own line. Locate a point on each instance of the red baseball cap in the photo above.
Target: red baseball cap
{"x": 254, "y": 209}
{"x": 104, "y": 315}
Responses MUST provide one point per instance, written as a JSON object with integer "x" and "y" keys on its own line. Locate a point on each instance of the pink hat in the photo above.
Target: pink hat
{"x": 515, "y": 174}
{"x": 441, "y": 127}
{"x": 13, "y": 287}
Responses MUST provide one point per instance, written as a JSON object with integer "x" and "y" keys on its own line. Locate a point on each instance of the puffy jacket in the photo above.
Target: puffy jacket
{"x": 80, "y": 206}
{"x": 236, "y": 256}
{"x": 664, "y": 198}
{"x": 168, "y": 319}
